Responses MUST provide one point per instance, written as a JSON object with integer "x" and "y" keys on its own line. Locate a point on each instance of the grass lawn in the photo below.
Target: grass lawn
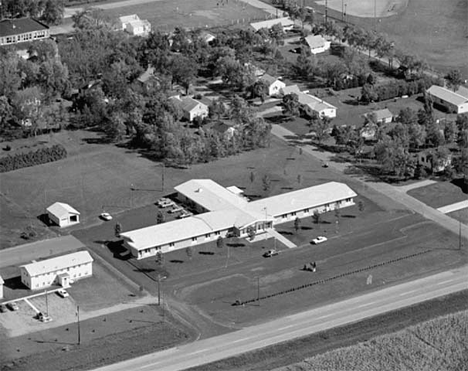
{"x": 460, "y": 215}
{"x": 166, "y": 15}
{"x": 438, "y": 194}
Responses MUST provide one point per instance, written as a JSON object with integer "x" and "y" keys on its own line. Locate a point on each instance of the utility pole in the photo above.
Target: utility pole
{"x": 162, "y": 175}
{"x": 78, "y": 316}
{"x": 375, "y": 15}
{"x": 258, "y": 290}
{"x": 159, "y": 290}
{"x": 326, "y": 11}
{"x": 342, "y": 10}
{"x": 47, "y": 303}
{"x": 459, "y": 235}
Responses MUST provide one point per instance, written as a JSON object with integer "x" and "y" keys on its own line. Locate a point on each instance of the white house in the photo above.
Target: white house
{"x": 207, "y": 37}
{"x": 191, "y": 107}
{"x": 134, "y": 25}
{"x": 454, "y": 101}
{"x": 63, "y": 214}
{"x": 274, "y": 85}
{"x": 1, "y": 287}
{"x": 62, "y": 270}
{"x": 317, "y": 44}
{"x": 290, "y": 89}
{"x": 224, "y": 212}
{"x": 383, "y": 116}
{"x": 285, "y": 22}
{"x": 311, "y": 104}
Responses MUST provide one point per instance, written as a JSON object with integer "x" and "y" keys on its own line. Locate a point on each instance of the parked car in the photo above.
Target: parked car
{"x": 12, "y": 306}
{"x": 318, "y": 240}
{"x": 106, "y": 216}
{"x": 167, "y": 203}
{"x": 325, "y": 164}
{"x": 3, "y": 308}
{"x": 43, "y": 317}
{"x": 185, "y": 214}
{"x": 270, "y": 253}
{"x": 63, "y": 293}
{"x": 176, "y": 209}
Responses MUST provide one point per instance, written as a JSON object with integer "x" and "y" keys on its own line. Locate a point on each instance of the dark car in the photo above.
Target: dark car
{"x": 12, "y": 306}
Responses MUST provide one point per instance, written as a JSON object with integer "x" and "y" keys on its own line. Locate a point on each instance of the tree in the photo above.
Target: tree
{"x": 184, "y": 70}
{"x": 291, "y": 105}
{"x": 337, "y": 211}
{"x": 297, "y": 224}
{"x": 160, "y": 218}
{"x": 259, "y": 89}
{"x": 316, "y": 217}
{"x": 189, "y": 251}
{"x": 450, "y": 132}
{"x": 360, "y": 206}
{"x": 118, "y": 230}
{"x": 266, "y": 181}
{"x": 53, "y": 12}
{"x": 160, "y": 258}
{"x": 319, "y": 126}
{"x": 368, "y": 94}
{"x": 454, "y": 79}
{"x": 220, "y": 242}
{"x": 251, "y": 232}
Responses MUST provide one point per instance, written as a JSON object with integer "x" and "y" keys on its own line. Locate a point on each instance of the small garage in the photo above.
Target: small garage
{"x": 63, "y": 214}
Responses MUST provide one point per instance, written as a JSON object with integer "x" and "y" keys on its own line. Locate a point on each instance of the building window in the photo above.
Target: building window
{"x": 172, "y": 244}
{"x": 293, "y": 214}
{"x": 306, "y": 211}
{"x": 207, "y": 235}
{"x": 217, "y": 233}
{"x": 194, "y": 239}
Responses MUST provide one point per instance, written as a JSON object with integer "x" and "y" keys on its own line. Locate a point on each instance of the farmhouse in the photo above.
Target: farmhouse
{"x": 191, "y": 107}
{"x": 62, "y": 270}
{"x": 274, "y": 85}
{"x": 225, "y": 212}
{"x": 383, "y": 116}
{"x": 434, "y": 161}
{"x": 225, "y": 129}
{"x": 285, "y": 22}
{"x": 453, "y": 101}
{"x": 134, "y": 25}
{"x": 14, "y": 31}
{"x": 63, "y": 214}
{"x": 311, "y": 104}
{"x": 317, "y": 44}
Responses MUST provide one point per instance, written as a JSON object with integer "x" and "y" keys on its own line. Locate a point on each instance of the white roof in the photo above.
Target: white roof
{"x": 183, "y": 229}
{"x": 1, "y": 281}
{"x": 58, "y": 263}
{"x": 60, "y": 210}
{"x": 457, "y": 98}
{"x": 210, "y": 195}
{"x": 303, "y": 198}
{"x": 315, "y": 41}
{"x": 380, "y": 114}
{"x": 129, "y": 18}
{"x": 285, "y": 22}
{"x": 314, "y": 103}
{"x": 290, "y": 89}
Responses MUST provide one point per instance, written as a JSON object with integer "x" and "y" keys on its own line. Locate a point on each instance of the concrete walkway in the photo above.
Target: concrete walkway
{"x": 422, "y": 183}
{"x": 281, "y": 238}
{"x": 386, "y": 189}
{"x": 453, "y": 207}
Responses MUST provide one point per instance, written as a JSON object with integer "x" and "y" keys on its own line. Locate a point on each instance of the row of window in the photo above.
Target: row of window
{"x": 23, "y": 37}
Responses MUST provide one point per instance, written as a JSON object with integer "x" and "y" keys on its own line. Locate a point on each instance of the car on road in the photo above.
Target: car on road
{"x": 63, "y": 293}
{"x": 3, "y": 308}
{"x": 270, "y": 253}
{"x": 106, "y": 216}
{"x": 318, "y": 240}
{"x": 12, "y": 306}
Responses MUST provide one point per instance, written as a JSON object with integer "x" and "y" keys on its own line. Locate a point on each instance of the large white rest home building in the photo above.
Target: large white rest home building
{"x": 62, "y": 270}
{"x": 224, "y": 212}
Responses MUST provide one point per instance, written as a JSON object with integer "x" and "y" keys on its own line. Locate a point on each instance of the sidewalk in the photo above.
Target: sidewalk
{"x": 281, "y": 238}
{"x": 453, "y": 207}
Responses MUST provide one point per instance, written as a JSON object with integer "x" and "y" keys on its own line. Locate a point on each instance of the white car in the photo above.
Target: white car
{"x": 185, "y": 214}
{"x": 106, "y": 216}
{"x": 176, "y": 209}
{"x": 318, "y": 240}
{"x": 63, "y": 293}
{"x": 167, "y": 203}
{"x": 270, "y": 253}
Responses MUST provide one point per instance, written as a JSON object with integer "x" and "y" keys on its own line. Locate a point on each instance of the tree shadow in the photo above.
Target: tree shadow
{"x": 287, "y": 233}
{"x": 206, "y": 252}
{"x": 177, "y": 261}
{"x": 235, "y": 244}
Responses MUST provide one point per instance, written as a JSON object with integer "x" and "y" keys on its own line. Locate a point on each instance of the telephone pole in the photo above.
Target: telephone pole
{"x": 78, "y": 317}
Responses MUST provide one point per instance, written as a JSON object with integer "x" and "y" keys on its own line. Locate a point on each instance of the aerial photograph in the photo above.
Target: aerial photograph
{"x": 234, "y": 185}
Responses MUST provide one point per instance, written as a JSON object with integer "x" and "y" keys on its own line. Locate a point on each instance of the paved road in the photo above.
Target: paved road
{"x": 396, "y": 193}
{"x": 313, "y": 321}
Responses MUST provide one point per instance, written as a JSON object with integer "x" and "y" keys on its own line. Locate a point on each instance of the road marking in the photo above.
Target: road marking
{"x": 366, "y": 305}
{"x": 328, "y": 315}
{"x": 407, "y": 292}
{"x": 285, "y": 327}
{"x": 441, "y": 283}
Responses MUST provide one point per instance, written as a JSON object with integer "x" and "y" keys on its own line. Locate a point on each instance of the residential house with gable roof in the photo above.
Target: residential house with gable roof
{"x": 63, "y": 214}
{"x": 311, "y": 105}
{"x": 274, "y": 85}
{"x": 191, "y": 107}
{"x": 135, "y": 26}
{"x": 15, "y": 31}
{"x": 317, "y": 43}
{"x": 285, "y": 22}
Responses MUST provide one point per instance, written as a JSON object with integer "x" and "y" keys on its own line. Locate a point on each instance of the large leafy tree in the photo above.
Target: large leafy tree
{"x": 454, "y": 79}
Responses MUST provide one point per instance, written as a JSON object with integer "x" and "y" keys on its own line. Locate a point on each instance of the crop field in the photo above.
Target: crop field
{"x": 438, "y": 344}
{"x": 166, "y": 15}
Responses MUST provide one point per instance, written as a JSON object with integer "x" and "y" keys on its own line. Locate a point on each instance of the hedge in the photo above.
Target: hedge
{"x": 32, "y": 158}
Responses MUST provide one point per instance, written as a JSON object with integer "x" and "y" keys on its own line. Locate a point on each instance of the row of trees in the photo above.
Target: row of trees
{"x": 32, "y": 158}
{"x": 48, "y": 11}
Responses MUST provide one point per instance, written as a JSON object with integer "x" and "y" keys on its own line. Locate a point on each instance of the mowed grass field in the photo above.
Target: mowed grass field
{"x": 439, "y": 194}
{"x": 434, "y": 30}
{"x": 438, "y": 344}
{"x": 166, "y": 15}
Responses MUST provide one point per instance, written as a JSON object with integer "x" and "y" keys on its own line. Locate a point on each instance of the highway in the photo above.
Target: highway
{"x": 299, "y": 325}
